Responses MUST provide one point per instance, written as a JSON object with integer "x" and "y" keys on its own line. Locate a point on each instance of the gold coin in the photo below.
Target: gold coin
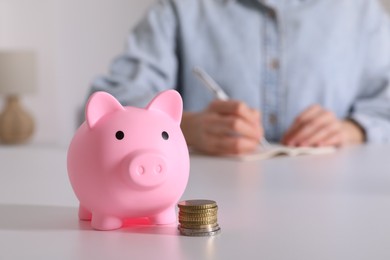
{"x": 208, "y": 226}
{"x": 195, "y": 219}
{"x": 194, "y": 223}
{"x": 198, "y": 221}
{"x": 197, "y": 204}
{"x": 185, "y": 218}
{"x": 195, "y": 210}
{"x": 196, "y": 215}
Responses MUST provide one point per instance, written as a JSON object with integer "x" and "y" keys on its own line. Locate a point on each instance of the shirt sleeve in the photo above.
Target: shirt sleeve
{"x": 149, "y": 63}
{"x": 372, "y": 107}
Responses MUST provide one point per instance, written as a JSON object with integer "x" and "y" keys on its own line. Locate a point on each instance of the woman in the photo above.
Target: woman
{"x": 300, "y": 72}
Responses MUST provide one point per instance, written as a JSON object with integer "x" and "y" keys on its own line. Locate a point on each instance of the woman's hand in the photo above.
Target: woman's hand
{"x": 225, "y": 127}
{"x": 317, "y": 126}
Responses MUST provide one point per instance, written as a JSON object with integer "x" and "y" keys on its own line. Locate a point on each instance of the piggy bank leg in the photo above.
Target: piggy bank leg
{"x": 104, "y": 222}
{"x": 84, "y": 214}
{"x": 167, "y": 216}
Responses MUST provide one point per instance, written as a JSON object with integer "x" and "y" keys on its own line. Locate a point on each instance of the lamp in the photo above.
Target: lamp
{"x": 17, "y": 77}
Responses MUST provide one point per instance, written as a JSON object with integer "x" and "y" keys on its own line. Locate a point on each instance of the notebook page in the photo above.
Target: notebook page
{"x": 274, "y": 150}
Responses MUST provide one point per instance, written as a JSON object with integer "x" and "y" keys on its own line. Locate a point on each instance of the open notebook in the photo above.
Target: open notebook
{"x": 273, "y": 150}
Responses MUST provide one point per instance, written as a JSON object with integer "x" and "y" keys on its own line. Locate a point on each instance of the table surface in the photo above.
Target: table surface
{"x": 334, "y": 206}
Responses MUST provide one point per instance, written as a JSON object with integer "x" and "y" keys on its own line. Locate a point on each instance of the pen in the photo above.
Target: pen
{"x": 211, "y": 85}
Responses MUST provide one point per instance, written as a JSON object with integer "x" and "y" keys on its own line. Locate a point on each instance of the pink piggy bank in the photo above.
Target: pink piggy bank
{"x": 127, "y": 162}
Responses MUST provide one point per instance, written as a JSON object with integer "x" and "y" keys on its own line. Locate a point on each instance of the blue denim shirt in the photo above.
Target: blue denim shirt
{"x": 278, "y": 56}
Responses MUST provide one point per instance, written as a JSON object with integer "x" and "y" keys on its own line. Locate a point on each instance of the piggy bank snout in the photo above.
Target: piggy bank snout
{"x": 147, "y": 169}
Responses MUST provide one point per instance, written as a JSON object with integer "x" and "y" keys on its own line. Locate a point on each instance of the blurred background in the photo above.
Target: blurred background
{"x": 75, "y": 40}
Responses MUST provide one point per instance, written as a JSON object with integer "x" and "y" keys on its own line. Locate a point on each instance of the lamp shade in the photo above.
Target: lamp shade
{"x": 17, "y": 72}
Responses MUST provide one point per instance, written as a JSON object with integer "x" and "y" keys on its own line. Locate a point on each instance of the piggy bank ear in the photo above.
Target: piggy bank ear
{"x": 99, "y": 105}
{"x": 170, "y": 103}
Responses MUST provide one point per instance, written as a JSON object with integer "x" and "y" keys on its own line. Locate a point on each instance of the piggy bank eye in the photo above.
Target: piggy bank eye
{"x": 165, "y": 135}
{"x": 119, "y": 135}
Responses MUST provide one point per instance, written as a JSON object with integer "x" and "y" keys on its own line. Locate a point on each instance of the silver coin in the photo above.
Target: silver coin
{"x": 205, "y": 229}
{"x": 194, "y": 233}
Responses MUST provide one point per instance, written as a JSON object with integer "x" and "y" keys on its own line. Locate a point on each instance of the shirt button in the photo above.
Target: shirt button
{"x": 274, "y": 64}
{"x": 271, "y": 13}
{"x": 272, "y": 119}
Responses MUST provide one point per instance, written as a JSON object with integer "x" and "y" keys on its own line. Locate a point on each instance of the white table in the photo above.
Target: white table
{"x": 314, "y": 207}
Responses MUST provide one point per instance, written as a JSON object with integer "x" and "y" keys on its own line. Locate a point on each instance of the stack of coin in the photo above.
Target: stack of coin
{"x": 198, "y": 218}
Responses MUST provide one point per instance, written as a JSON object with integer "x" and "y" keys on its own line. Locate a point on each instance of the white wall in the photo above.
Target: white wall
{"x": 26, "y": 25}
{"x": 90, "y": 34}
{"x": 75, "y": 41}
